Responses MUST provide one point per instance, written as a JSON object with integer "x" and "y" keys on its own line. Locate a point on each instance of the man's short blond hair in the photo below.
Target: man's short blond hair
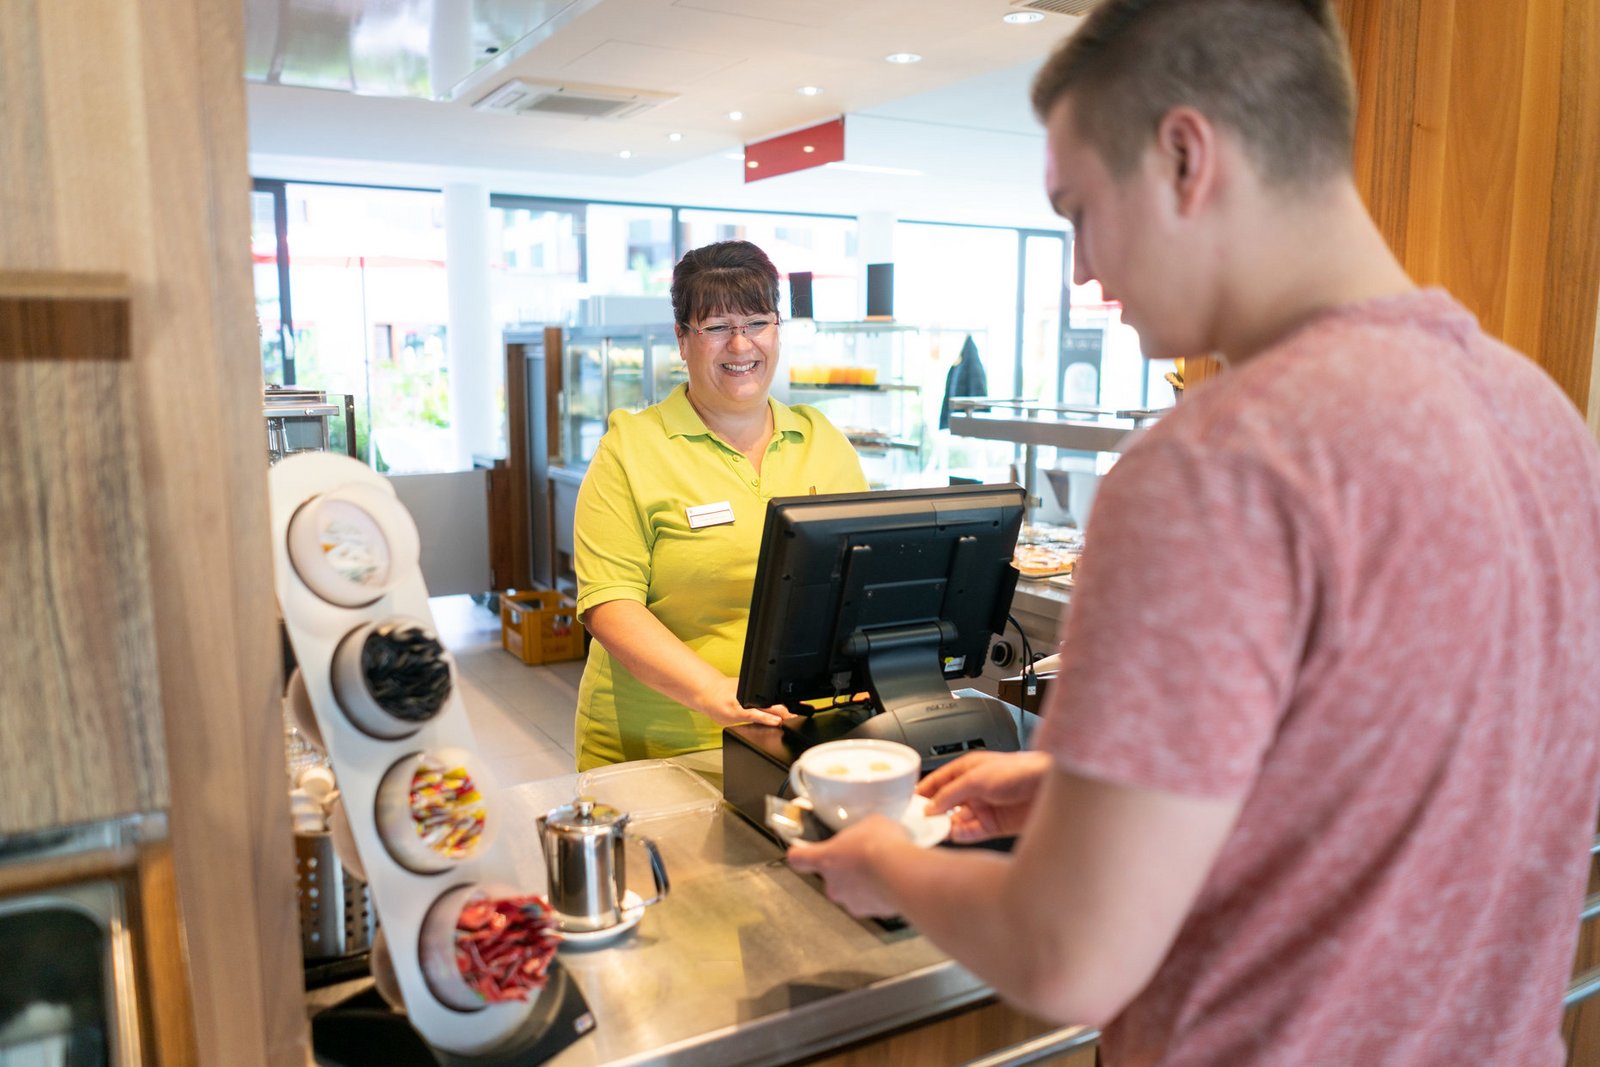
{"x": 1276, "y": 73}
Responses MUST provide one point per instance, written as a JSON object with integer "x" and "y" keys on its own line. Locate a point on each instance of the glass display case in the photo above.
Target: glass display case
{"x": 861, "y": 376}
{"x": 610, "y": 368}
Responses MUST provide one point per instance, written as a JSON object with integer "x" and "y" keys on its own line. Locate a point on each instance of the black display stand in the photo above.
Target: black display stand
{"x": 364, "y": 1031}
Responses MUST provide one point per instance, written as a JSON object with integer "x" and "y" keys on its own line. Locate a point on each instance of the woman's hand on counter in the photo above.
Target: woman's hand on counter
{"x": 849, "y": 861}
{"x": 988, "y": 794}
{"x": 719, "y": 701}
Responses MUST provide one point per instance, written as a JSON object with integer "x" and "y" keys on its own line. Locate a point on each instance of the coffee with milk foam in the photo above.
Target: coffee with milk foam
{"x": 858, "y": 765}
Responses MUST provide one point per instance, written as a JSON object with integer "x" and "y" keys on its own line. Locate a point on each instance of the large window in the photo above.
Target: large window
{"x": 959, "y": 285}
{"x": 538, "y": 269}
{"x": 631, "y": 252}
{"x": 366, "y": 269}
{"x": 823, "y": 245}
{"x": 267, "y": 216}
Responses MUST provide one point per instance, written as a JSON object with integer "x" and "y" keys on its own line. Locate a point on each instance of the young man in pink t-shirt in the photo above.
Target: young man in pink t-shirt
{"x": 1321, "y": 765}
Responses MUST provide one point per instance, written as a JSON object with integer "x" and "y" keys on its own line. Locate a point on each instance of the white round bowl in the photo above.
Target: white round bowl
{"x": 398, "y": 828}
{"x": 354, "y": 694}
{"x": 352, "y": 545}
{"x": 436, "y": 949}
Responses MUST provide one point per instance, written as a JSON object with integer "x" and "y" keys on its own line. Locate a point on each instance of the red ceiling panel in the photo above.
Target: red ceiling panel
{"x": 789, "y": 152}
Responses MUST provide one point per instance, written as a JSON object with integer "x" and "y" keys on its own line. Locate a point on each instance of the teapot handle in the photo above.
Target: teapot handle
{"x": 658, "y": 869}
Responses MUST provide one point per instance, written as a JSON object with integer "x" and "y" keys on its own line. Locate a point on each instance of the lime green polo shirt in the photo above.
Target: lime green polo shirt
{"x": 633, "y": 541}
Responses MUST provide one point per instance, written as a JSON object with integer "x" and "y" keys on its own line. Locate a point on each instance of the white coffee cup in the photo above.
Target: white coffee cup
{"x": 847, "y": 781}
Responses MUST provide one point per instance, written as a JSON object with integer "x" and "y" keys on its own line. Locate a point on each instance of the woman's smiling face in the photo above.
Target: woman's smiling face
{"x": 731, "y": 359}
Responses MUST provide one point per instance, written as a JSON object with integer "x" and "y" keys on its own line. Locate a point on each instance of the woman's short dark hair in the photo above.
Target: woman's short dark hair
{"x": 721, "y": 279}
{"x": 1276, "y": 73}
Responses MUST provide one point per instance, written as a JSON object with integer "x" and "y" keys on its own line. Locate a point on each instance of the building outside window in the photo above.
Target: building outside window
{"x": 366, "y": 271}
{"x": 954, "y": 283}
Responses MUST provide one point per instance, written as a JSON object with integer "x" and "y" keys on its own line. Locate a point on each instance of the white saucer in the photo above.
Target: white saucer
{"x": 925, "y": 830}
{"x": 632, "y": 912}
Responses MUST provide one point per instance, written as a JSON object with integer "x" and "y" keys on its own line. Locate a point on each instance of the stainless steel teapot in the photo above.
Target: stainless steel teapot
{"x": 584, "y": 847}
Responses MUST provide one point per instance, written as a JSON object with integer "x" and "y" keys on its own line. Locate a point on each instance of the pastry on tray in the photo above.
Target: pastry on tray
{"x": 1043, "y": 561}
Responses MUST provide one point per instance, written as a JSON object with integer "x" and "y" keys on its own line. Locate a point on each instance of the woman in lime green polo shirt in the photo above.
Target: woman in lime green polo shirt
{"x": 670, "y": 514}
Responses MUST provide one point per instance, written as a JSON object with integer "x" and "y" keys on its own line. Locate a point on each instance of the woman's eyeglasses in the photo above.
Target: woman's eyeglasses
{"x": 720, "y": 333}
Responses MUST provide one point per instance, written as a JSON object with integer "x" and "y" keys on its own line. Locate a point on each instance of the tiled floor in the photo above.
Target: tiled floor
{"x": 521, "y": 716}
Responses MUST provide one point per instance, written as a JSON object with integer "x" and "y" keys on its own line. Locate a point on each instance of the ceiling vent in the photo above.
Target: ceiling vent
{"x": 521, "y": 97}
{"x": 1058, "y": 7}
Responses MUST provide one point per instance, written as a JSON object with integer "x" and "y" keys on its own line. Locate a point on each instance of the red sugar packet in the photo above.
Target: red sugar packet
{"x": 504, "y": 946}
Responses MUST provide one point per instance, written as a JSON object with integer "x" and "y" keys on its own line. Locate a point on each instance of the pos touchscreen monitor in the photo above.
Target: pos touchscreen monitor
{"x": 889, "y": 594}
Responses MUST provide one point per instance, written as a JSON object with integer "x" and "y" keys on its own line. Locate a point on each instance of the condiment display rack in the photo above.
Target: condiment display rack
{"x": 316, "y": 626}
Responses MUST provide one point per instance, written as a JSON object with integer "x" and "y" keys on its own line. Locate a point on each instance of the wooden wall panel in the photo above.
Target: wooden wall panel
{"x": 123, "y": 148}
{"x": 1380, "y": 34}
{"x": 1478, "y": 152}
{"x": 1571, "y": 280}
{"x": 80, "y": 705}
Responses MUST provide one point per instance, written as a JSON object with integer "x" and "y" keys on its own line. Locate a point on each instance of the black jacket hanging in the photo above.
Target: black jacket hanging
{"x": 966, "y": 378}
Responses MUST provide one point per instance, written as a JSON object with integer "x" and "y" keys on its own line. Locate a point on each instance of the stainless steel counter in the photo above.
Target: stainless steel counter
{"x": 745, "y": 962}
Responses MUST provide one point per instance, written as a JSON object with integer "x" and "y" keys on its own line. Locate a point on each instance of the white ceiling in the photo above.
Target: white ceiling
{"x": 959, "y": 118}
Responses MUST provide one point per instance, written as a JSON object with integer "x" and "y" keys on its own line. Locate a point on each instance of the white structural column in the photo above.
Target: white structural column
{"x": 473, "y": 344}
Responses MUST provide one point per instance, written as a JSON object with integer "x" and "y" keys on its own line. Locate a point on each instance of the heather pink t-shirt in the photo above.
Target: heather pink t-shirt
{"x": 1356, "y": 582}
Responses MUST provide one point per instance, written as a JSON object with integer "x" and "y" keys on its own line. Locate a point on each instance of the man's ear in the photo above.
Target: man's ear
{"x": 1187, "y": 143}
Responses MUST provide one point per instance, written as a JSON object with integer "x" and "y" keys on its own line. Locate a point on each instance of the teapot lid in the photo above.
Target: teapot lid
{"x": 586, "y": 814}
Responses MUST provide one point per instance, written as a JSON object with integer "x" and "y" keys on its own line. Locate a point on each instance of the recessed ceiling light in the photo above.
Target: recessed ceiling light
{"x": 736, "y": 115}
{"x": 808, "y": 90}
{"x": 625, "y": 154}
{"x": 903, "y": 57}
{"x": 674, "y": 136}
{"x": 809, "y": 148}
{"x": 1017, "y": 18}
{"x": 752, "y": 164}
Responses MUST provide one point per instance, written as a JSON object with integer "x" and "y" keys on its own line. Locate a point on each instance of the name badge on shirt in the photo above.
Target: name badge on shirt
{"x": 718, "y": 514}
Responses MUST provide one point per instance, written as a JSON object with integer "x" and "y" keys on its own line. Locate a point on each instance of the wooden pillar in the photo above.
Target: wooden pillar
{"x": 1478, "y": 152}
{"x": 123, "y": 154}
